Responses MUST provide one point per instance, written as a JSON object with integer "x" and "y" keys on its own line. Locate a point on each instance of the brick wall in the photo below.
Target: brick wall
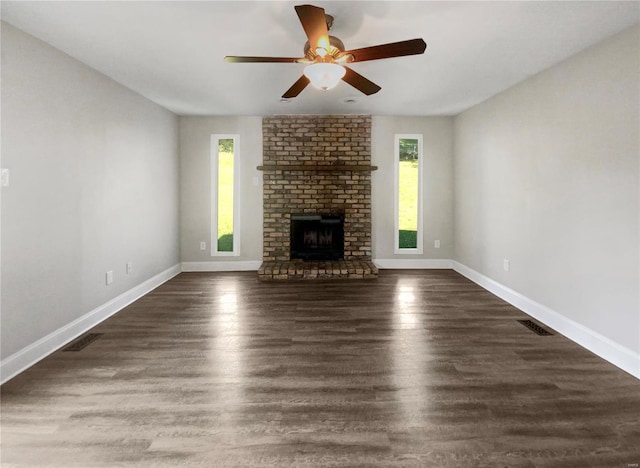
{"x": 317, "y": 142}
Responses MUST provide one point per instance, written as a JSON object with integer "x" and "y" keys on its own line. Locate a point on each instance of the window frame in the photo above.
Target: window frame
{"x": 418, "y": 250}
{"x": 214, "y": 162}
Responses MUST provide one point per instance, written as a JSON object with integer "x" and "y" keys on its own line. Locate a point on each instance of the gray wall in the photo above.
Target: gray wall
{"x": 546, "y": 175}
{"x": 94, "y": 184}
{"x": 195, "y": 195}
{"x": 437, "y": 189}
{"x": 195, "y": 135}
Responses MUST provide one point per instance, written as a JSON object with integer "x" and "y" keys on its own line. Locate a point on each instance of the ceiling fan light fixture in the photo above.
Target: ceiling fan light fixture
{"x": 324, "y": 75}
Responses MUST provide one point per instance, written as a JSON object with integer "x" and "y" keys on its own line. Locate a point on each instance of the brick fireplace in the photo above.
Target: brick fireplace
{"x": 317, "y": 165}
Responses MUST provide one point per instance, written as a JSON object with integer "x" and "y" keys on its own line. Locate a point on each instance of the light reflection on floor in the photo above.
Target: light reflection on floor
{"x": 409, "y": 349}
{"x": 227, "y": 347}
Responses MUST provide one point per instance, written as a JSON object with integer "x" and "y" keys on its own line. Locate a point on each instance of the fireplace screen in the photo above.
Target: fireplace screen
{"x": 317, "y": 237}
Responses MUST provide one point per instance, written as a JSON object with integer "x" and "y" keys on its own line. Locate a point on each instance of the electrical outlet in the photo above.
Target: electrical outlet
{"x": 4, "y": 177}
{"x": 203, "y": 246}
{"x": 506, "y": 265}
{"x": 109, "y": 277}
{"x": 129, "y": 267}
{"x": 436, "y": 243}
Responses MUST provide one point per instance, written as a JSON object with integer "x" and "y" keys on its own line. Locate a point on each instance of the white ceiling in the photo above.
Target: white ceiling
{"x": 172, "y": 51}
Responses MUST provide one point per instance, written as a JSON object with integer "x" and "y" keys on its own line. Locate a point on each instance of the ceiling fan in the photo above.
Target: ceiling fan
{"x": 325, "y": 55}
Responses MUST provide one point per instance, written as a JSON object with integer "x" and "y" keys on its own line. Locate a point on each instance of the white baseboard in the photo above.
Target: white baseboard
{"x": 412, "y": 264}
{"x": 243, "y": 265}
{"x": 28, "y": 356}
{"x": 607, "y": 349}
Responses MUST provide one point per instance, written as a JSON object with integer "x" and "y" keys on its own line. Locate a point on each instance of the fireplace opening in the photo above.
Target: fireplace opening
{"x": 317, "y": 237}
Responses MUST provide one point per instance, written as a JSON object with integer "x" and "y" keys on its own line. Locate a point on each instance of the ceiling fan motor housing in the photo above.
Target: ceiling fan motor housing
{"x": 336, "y": 47}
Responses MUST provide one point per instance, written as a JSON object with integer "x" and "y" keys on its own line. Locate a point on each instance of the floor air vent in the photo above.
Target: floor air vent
{"x": 534, "y": 327}
{"x": 83, "y": 342}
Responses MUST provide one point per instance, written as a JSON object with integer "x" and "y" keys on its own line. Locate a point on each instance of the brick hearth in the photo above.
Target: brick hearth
{"x": 317, "y": 165}
{"x": 300, "y": 270}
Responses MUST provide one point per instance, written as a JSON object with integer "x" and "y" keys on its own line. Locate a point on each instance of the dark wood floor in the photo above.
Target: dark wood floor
{"x": 416, "y": 368}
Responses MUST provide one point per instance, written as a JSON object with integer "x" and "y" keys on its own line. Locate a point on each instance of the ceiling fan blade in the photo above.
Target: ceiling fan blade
{"x": 383, "y": 51}
{"x": 297, "y": 87}
{"x": 360, "y": 82}
{"x": 235, "y": 59}
{"x": 314, "y": 24}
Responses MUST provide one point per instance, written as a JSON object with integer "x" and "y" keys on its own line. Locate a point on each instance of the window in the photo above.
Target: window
{"x": 408, "y": 194}
{"x": 225, "y": 239}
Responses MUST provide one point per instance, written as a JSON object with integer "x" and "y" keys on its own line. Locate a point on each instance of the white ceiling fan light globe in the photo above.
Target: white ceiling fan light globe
{"x": 324, "y": 76}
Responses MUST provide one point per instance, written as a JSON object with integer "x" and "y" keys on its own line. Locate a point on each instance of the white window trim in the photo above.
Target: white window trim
{"x": 396, "y": 165}
{"x": 215, "y": 138}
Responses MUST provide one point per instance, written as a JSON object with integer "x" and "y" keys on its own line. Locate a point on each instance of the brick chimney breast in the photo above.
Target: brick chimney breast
{"x": 311, "y": 146}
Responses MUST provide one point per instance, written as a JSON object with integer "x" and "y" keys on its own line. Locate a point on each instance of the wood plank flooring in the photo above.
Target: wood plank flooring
{"x": 416, "y": 368}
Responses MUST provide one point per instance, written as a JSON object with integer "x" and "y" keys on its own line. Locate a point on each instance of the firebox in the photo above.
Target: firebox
{"x": 317, "y": 237}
